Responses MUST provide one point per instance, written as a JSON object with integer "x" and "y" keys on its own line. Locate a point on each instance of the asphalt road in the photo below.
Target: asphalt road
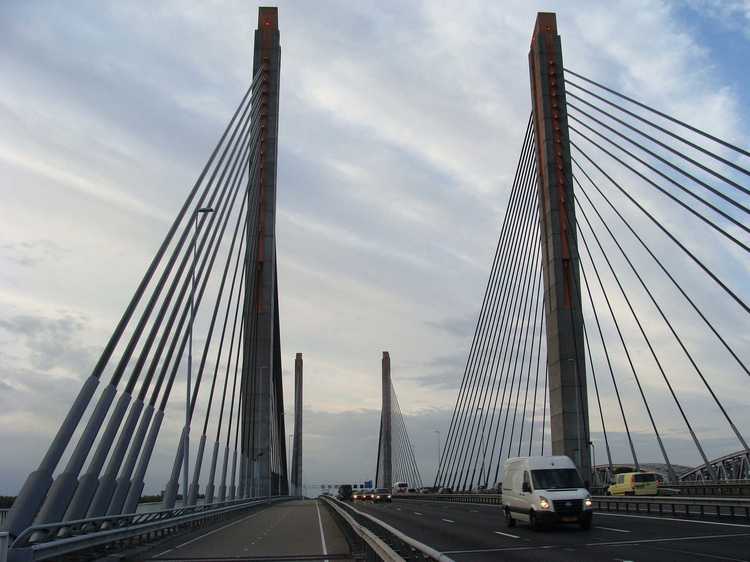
{"x": 294, "y": 530}
{"x": 478, "y": 532}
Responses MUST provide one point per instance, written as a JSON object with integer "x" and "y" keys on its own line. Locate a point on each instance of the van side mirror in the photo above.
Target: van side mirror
{"x": 526, "y": 487}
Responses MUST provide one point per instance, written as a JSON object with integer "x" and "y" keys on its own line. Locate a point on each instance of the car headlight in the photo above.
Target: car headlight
{"x": 377, "y": 497}
{"x": 389, "y": 497}
{"x": 587, "y": 502}
{"x": 543, "y": 502}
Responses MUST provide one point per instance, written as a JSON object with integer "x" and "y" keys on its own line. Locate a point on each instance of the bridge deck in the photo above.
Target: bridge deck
{"x": 294, "y": 530}
{"x": 467, "y": 532}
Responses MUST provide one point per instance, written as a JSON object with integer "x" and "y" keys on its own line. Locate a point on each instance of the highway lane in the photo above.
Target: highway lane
{"x": 478, "y": 532}
{"x": 293, "y": 530}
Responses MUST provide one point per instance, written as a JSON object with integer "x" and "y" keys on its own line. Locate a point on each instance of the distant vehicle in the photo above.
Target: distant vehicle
{"x": 427, "y": 490}
{"x": 345, "y": 492}
{"x": 545, "y": 490}
{"x": 411, "y": 491}
{"x": 634, "y": 484}
{"x": 400, "y": 487}
{"x": 358, "y": 495}
{"x": 445, "y": 490}
{"x": 381, "y": 495}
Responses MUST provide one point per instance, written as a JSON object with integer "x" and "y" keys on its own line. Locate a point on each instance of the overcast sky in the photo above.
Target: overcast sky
{"x": 400, "y": 126}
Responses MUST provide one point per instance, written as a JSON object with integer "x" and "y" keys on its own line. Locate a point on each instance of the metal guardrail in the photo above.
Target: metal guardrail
{"x": 730, "y": 488}
{"x": 3, "y": 517}
{"x": 366, "y": 543}
{"x": 666, "y": 505}
{"x": 492, "y": 499}
{"x": 676, "y": 505}
{"x": 388, "y": 534}
{"x": 53, "y": 540}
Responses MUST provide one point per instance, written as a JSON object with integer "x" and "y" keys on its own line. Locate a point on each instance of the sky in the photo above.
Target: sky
{"x": 400, "y": 126}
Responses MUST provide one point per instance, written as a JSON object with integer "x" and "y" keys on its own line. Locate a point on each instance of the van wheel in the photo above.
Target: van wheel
{"x": 509, "y": 521}
{"x": 629, "y": 493}
{"x": 533, "y": 524}
{"x": 586, "y": 523}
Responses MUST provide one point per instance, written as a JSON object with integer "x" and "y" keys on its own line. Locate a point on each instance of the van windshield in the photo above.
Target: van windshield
{"x": 556, "y": 478}
{"x": 644, "y": 477}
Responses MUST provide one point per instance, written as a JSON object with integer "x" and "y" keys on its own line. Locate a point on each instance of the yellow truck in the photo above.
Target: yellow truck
{"x": 634, "y": 484}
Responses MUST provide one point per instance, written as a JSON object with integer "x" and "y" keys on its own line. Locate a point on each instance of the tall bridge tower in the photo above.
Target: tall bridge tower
{"x": 385, "y": 477}
{"x": 569, "y": 420}
{"x": 262, "y": 406}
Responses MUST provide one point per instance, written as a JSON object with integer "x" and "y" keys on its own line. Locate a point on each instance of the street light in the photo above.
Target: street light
{"x": 291, "y": 457}
{"x": 437, "y": 465}
{"x": 593, "y": 463}
{"x": 186, "y": 459}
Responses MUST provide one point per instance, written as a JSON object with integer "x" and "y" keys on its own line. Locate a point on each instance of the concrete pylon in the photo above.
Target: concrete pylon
{"x": 569, "y": 419}
{"x": 260, "y": 357}
{"x": 386, "y": 433}
{"x": 297, "y": 439}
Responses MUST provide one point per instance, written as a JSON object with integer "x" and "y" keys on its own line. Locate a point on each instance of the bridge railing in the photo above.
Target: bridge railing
{"x": 54, "y": 540}
{"x": 668, "y": 505}
{"x": 675, "y": 505}
{"x": 380, "y": 539}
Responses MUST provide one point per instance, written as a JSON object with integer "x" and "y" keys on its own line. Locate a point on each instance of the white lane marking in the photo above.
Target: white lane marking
{"x": 611, "y": 529}
{"x": 448, "y": 520}
{"x": 700, "y": 521}
{"x": 322, "y": 535}
{"x": 506, "y": 535}
{"x": 611, "y": 543}
{"x": 209, "y": 533}
{"x": 667, "y": 539}
{"x": 417, "y": 513}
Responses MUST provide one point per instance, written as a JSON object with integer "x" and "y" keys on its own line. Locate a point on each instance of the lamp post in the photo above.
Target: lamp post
{"x": 593, "y": 463}
{"x": 186, "y": 446}
{"x": 289, "y": 469}
{"x": 437, "y": 465}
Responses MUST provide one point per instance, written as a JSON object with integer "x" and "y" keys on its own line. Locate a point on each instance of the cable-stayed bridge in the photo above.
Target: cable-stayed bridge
{"x": 607, "y": 326}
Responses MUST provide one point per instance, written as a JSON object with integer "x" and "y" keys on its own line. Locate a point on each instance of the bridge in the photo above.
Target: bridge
{"x": 595, "y": 336}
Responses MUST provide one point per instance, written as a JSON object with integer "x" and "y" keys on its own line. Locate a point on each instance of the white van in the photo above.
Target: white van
{"x": 545, "y": 490}
{"x": 400, "y": 488}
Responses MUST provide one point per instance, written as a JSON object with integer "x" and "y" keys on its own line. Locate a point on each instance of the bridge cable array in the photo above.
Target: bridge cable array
{"x": 218, "y": 221}
{"x": 404, "y": 466}
{"x": 633, "y": 290}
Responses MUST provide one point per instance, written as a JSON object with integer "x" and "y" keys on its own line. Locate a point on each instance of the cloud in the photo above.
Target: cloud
{"x": 52, "y": 343}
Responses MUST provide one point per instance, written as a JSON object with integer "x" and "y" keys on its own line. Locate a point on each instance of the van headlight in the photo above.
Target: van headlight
{"x": 543, "y": 502}
{"x": 587, "y": 502}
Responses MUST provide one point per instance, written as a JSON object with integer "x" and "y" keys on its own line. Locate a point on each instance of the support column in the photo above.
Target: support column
{"x": 297, "y": 439}
{"x": 569, "y": 421}
{"x": 258, "y": 354}
{"x": 386, "y": 438}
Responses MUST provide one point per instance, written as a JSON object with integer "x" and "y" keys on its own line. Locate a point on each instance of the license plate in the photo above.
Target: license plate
{"x": 569, "y": 519}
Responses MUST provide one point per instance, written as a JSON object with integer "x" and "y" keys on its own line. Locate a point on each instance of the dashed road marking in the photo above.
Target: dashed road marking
{"x": 612, "y": 529}
{"x": 449, "y": 520}
{"x": 209, "y": 533}
{"x": 507, "y": 535}
{"x": 417, "y": 513}
{"x": 698, "y": 521}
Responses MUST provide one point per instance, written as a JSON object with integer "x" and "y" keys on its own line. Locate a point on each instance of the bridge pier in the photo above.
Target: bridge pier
{"x": 386, "y": 433}
{"x": 297, "y": 439}
{"x": 569, "y": 420}
{"x": 261, "y": 354}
